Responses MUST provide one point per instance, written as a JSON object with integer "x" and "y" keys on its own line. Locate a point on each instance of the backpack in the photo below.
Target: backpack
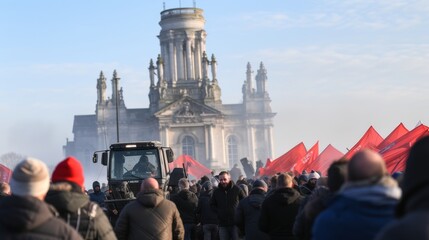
{"x": 84, "y": 215}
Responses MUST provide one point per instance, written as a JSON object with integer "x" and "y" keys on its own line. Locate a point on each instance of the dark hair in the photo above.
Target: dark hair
{"x": 337, "y": 174}
{"x": 224, "y": 172}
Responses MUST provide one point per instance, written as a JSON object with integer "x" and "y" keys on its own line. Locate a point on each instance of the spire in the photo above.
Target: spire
{"x": 261, "y": 80}
{"x": 249, "y": 86}
{"x": 214, "y": 69}
{"x": 101, "y": 88}
{"x": 152, "y": 73}
{"x": 115, "y": 85}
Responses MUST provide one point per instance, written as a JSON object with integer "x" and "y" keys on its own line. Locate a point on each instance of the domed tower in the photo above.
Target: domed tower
{"x": 183, "y": 67}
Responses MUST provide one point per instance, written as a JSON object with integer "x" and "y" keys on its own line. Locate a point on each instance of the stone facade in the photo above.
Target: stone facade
{"x": 185, "y": 111}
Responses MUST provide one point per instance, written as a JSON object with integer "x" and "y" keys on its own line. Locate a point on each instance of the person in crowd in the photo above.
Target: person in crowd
{"x": 279, "y": 210}
{"x": 244, "y": 188}
{"x": 308, "y": 187}
{"x": 186, "y": 202}
{"x": 150, "y": 216}
{"x": 319, "y": 199}
{"x": 273, "y": 185}
{"x": 412, "y": 212}
{"x": 249, "y": 210}
{"x": 364, "y": 204}
{"x": 235, "y": 173}
{"x": 207, "y": 217}
{"x": 24, "y": 214}
{"x": 224, "y": 201}
{"x": 144, "y": 167}
{"x": 66, "y": 194}
{"x": 4, "y": 189}
{"x": 97, "y": 195}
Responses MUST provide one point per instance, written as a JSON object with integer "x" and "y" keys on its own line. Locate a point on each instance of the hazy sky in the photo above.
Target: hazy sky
{"x": 334, "y": 67}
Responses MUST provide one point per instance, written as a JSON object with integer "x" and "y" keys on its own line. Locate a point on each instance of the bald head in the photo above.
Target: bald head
{"x": 366, "y": 165}
{"x": 149, "y": 184}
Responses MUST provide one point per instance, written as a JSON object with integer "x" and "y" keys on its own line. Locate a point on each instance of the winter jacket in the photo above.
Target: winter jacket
{"x": 91, "y": 222}
{"x": 357, "y": 213}
{"x": 278, "y": 213}
{"x": 98, "y": 197}
{"x": 186, "y": 202}
{"x": 247, "y": 215}
{"x": 31, "y": 218}
{"x": 148, "y": 217}
{"x": 224, "y": 201}
{"x": 414, "y": 222}
{"x": 205, "y": 213}
{"x": 310, "y": 208}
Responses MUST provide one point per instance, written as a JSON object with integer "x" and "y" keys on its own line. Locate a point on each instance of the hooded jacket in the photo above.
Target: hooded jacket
{"x": 186, "y": 202}
{"x": 248, "y": 213}
{"x": 361, "y": 210}
{"x": 278, "y": 213}
{"x": 31, "y": 218}
{"x": 91, "y": 223}
{"x": 150, "y": 216}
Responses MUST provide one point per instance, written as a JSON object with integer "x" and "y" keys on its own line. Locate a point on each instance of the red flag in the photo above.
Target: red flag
{"x": 406, "y": 139}
{"x": 325, "y": 159}
{"x": 192, "y": 166}
{"x": 396, "y": 158}
{"x": 396, "y": 153}
{"x": 370, "y": 140}
{"x": 5, "y": 173}
{"x": 398, "y": 132}
{"x": 307, "y": 160}
{"x": 285, "y": 162}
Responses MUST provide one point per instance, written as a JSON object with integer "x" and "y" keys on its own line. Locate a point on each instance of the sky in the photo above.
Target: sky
{"x": 334, "y": 68}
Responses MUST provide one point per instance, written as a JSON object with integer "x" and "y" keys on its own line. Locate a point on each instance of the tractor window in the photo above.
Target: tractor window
{"x": 135, "y": 164}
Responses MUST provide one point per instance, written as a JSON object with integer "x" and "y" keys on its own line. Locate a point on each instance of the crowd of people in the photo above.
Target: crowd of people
{"x": 358, "y": 199}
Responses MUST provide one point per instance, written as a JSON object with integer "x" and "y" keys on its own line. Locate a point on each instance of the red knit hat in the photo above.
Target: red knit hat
{"x": 70, "y": 170}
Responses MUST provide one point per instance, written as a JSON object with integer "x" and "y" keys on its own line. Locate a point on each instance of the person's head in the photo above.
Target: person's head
{"x": 366, "y": 165}
{"x": 144, "y": 159}
{"x": 183, "y": 184}
{"x": 284, "y": 181}
{"x": 96, "y": 186}
{"x": 337, "y": 174}
{"x": 207, "y": 186}
{"x": 30, "y": 178}
{"x": 312, "y": 178}
{"x": 224, "y": 178}
{"x": 69, "y": 170}
{"x": 260, "y": 184}
{"x": 149, "y": 184}
{"x": 273, "y": 181}
{"x": 4, "y": 188}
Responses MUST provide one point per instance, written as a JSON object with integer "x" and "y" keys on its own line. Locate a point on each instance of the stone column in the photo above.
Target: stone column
{"x": 179, "y": 58}
{"x": 189, "y": 63}
{"x": 172, "y": 60}
{"x": 270, "y": 142}
{"x": 197, "y": 59}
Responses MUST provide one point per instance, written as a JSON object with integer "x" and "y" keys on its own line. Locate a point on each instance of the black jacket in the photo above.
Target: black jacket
{"x": 247, "y": 215}
{"x": 31, "y": 218}
{"x": 186, "y": 202}
{"x": 205, "y": 213}
{"x": 278, "y": 213}
{"x": 224, "y": 201}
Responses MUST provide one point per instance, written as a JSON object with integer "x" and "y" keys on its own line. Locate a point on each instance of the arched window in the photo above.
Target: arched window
{"x": 232, "y": 150}
{"x": 188, "y": 146}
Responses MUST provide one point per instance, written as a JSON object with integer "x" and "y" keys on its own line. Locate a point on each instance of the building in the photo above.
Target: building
{"x": 186, "y": 110}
